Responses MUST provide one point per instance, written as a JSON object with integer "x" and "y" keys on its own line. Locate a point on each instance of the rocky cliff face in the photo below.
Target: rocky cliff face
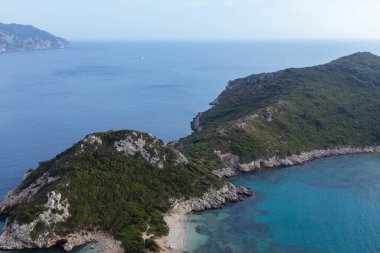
{"x": 15, "y": 198}
{"x": 25, "y": 235}
{"x": 195, "y": 123}
{"x": 14, "y": 37}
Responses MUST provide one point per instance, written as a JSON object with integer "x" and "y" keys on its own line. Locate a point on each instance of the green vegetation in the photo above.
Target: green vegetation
{"x": 283, "y": 113}
{"x": 151, "y": 245}
{"x": 294, "y": 110}
{"x": 115, "y": 192}
{"x": 38, "y": 229}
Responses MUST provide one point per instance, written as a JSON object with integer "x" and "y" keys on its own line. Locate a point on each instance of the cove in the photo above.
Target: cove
{"x": 328, "y": 205}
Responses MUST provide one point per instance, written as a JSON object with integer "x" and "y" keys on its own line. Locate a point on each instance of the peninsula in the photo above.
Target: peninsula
{"x": 136, "y": 189}
{"x": 15, "y": 37}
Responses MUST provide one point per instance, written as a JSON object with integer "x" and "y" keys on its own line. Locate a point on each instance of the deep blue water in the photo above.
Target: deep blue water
{"x": 51, "y": 99}
{"x": 329, "y": 205}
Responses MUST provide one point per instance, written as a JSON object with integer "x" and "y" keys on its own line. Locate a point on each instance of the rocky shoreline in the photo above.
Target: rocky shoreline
{"x": 176, "y": 219}
{"x": 233, "y": 166}
{"x": 12, "y": 237}
{"x": 195, "y": 123}
{"x": 18, "y": 236}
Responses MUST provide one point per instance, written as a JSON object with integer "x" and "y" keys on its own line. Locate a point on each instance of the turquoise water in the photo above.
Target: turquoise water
{"x": 50, "y": 99}
{"x": 329, "y": 205}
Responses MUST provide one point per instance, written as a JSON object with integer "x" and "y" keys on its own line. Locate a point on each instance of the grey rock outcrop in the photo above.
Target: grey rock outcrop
{"x": 303, "y": 158}
{"x": 232, "y": 165}
{"x": 92, "y": 139}
{"x": 211, "y": 199}
{"x": 196, "y": 124}
{"x": 57, "y": 209}
{"x": 225, "y": 172}
{"x": 19, "y": 196}
{"x": 18, "y": 235}
{"x": 149, "y": 148}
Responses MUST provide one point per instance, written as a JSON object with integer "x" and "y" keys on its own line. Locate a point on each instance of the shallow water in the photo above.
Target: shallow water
{"x": 51, "y": 99}
{"x": 329, "y": 205}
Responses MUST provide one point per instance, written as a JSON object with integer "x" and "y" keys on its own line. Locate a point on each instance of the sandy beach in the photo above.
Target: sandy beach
{"x": 106, "y": 244}
{"x": 175, "y": 240}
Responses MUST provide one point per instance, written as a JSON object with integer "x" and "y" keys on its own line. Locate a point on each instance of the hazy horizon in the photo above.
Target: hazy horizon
{"x": 199, "y": 20}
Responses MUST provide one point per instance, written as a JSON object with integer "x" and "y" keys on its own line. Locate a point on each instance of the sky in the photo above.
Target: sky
{"x": 198, "y": 19}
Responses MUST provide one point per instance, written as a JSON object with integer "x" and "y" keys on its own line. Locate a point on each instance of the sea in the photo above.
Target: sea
{"x": 50, "y": 99}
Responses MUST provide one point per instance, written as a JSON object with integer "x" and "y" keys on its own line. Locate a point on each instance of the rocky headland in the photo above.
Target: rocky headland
{"x": 15, "y": 37}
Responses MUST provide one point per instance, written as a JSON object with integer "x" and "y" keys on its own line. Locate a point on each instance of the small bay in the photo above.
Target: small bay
{"x": 328, "y": 205}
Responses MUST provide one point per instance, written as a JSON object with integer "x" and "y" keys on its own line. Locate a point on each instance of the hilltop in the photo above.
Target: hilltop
{"x": 15, "y": 37}
{"x": 282, "y": 114}
{"x": 117, "y": 183}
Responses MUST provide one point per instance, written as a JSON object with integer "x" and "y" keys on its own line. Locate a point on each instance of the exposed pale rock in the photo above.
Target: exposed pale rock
{"x": 92, "y": 139}
{"x": 195, "y": 123}
{"x": 134, "y": 144}
{"x": 211, "y": 199}
{"x": 230, "y": 160}
{"x": 149, "y": 148}
{"x": 232, "y": 165}
{"x": 90, "y": 142}
{"x": 18, "y": 236}
{"x": 26, "y": 175}
{"x": 303, "y": 157}
{"x": 267, "y": 114}
{"x": 57, "y": 209}
{"x": 180, "y": 158}
{"x": 176, "y": 218}
{"x": 225, "y": 172}
{"x": 17, "y": 197}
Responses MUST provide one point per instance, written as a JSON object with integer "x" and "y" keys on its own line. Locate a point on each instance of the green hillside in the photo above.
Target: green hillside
{"x": 293, "y": 110}
{"x": 123, "y": 182}
{"x": 112, "y": 190}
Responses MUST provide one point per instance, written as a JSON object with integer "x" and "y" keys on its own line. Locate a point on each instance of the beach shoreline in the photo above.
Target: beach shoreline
{"x": 106, "y": 243}
{"x": 174, "y": 242}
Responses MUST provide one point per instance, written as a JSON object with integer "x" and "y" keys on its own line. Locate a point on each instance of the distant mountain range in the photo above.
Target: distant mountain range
{"x": 15, "y": 37}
